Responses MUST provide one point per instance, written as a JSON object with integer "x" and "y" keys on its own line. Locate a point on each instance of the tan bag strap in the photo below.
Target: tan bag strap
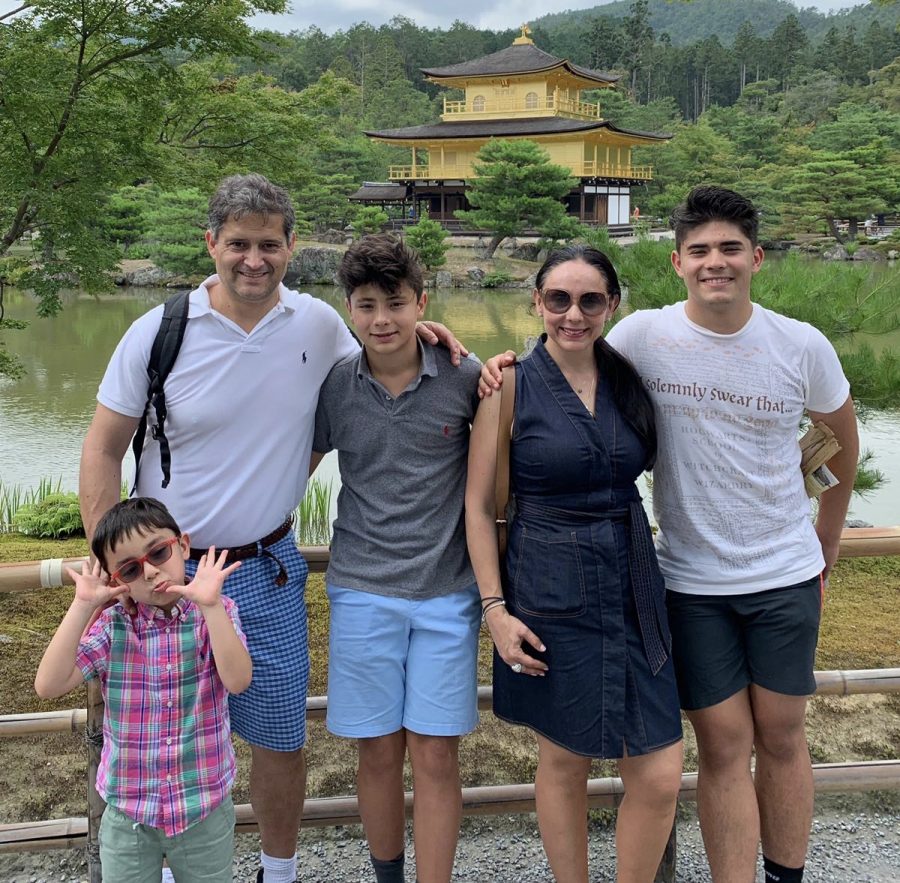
{"x": 504, "y": 435}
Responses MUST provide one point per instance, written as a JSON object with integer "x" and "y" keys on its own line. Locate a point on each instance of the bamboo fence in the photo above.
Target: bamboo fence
{"x": 488, "y": 800}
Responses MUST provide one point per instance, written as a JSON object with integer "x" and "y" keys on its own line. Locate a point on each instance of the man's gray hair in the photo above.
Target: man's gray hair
{"x": 252, "y": 194}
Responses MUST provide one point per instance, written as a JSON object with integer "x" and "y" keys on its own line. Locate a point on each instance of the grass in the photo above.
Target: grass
{"x": 43, "y": 777}
{"x": 313, "y": 515}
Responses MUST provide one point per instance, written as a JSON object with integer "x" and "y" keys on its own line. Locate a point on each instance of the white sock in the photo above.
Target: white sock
{"x": 167, "y": 876}
{"x": 278, "y": 870}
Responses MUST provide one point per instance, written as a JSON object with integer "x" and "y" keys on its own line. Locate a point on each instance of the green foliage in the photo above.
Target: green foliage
{"x": 369, "y": 219}
{"x": 84, "y": 94}
{"x": 323, "y": 202}
{"x": 496, "y": 279}
{"x": 123, "y": 221}
{"x": 517, "y": 188}
{"x": 313, "y": 516}
{"x": 175, "y": 226}
{"x": 428, "y": 237}
{"x": 868, "y": 477}
{"x": 56, "y": 515}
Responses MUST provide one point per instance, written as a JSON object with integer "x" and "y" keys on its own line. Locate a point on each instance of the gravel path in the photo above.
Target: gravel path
{"x": 855, "y": 847}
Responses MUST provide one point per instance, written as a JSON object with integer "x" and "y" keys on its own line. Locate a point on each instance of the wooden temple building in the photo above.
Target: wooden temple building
{"x": 518, "y": 92}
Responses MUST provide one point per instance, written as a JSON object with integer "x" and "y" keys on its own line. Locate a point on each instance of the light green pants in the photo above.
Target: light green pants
{"x": 134, "y": 853}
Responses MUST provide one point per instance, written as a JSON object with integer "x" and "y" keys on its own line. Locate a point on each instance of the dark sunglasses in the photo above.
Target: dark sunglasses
{"x": 134, "y": 568}
{"x": 591, "y": 303}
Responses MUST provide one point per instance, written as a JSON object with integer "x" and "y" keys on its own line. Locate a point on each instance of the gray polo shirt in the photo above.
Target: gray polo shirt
{"x": 400, "y": 529}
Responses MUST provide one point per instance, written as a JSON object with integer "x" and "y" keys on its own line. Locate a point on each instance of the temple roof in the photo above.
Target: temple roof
{"x": 506, "y": 128}
{"x": 377, "y": 191}
{"x": 521, "y": 58}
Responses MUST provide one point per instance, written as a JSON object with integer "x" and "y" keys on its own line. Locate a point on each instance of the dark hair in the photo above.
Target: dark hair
{"x": 628, "y": 391}
{"x": 252, "y": 194}
{"x": 137, "y": 515}
{"x": 383, "y": 260}
{"x": 709, "y": 203}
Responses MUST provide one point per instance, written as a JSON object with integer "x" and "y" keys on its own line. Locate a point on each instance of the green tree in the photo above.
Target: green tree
{"x": 123, "y": 219}
{"x": 175, "y": 228}
{"x": 323, "y": 204}
{"x": 517, "y": 188}
{"x": 369, "y": 219}
{"x": 81, "y": 87}
{"x": 427, "y": 238}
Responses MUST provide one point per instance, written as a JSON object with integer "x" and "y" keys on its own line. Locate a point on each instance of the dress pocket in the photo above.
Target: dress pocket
{"x": 549, "y": 578}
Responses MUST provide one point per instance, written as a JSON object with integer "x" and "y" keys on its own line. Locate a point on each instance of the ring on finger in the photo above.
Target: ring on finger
{"x": 517, "y": 667}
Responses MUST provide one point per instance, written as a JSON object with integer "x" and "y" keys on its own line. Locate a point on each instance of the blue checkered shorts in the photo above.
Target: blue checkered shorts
{"x": 271, "y": 713}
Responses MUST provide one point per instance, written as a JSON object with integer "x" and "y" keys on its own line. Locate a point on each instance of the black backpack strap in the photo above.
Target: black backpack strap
{"x": 163, "y": 354}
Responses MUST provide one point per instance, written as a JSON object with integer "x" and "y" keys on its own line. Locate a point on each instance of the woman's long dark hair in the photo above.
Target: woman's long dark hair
{"x": 628, "y": 391}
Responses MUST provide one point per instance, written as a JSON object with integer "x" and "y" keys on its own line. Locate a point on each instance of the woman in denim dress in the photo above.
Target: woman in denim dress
{"x": 578, "y": 620}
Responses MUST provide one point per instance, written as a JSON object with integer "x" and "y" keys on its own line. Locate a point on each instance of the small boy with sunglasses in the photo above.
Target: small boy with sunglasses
{"x": 165, "y": 671}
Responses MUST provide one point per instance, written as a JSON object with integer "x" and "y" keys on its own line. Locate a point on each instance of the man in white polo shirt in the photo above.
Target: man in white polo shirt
{"x": 241, "y": 402}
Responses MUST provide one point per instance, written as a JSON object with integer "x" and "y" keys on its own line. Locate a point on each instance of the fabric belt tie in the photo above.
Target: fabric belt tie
{"x": 259, "y": 549}
{"x": 646, "y": 581}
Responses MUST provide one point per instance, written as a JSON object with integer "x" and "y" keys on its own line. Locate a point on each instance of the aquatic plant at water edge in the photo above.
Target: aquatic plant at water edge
{"x": 57, "y": 515}
{"x": 313, "y": 515}
{"x": 13, "y": 497}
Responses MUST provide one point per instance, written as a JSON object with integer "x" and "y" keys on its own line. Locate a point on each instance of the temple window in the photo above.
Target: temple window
{"x": 478, "y": 104}
{"x": 531, "y": 101}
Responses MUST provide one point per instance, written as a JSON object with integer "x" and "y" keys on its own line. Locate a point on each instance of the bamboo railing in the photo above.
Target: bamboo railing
{"x": 487, "y": 800}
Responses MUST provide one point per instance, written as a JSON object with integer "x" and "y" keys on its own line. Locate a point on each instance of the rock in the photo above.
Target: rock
{"x": 147, "y": 277}
{"x": 857, "y": 522}
{"x": 475, "y": 274}
{"x": 335, "y": 237}
{"x": 313, "y": 266}
{"x": 867, "y": 254}
{"x": 527, "y": 251}
{"x": 528, "y": 281}
{"x": 893, "y": 254}
{"x": 836, "y": 253}
{"x": 443, "y": 279}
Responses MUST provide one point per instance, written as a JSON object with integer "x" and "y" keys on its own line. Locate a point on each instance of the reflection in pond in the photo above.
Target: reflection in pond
{"x": 43, "y": 416}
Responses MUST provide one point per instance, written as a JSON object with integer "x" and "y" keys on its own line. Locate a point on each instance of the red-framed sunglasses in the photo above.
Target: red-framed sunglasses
{"x": 134, "y": 567}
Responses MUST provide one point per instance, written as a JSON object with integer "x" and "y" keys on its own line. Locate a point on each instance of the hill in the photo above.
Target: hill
{"x": 693, "y": 21}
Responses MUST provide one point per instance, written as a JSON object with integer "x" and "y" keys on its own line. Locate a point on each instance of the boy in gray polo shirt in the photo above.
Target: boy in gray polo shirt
{"x": 404, "y": 606}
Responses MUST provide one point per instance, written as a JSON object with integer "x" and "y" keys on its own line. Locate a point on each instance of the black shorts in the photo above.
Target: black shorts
{"x": 723, "y": 643}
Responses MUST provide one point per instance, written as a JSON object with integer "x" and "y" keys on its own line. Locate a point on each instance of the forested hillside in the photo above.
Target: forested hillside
{"x": 688, "y": 22}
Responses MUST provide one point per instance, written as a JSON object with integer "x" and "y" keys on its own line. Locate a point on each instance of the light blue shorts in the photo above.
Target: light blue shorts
{"x": 396, "y": 663}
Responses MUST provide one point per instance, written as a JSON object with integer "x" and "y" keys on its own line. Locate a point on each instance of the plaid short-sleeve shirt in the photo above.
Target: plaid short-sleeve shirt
{"x": 167, "y": 759}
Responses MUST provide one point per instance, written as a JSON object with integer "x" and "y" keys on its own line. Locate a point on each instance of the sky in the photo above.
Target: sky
{"x": 490, "y": 14}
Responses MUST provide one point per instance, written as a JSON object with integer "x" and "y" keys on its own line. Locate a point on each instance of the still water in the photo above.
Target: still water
{"x": 43, "y": 416}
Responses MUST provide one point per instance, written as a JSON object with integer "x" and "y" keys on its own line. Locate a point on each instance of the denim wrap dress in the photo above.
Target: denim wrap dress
{"x": 581, "y": 573}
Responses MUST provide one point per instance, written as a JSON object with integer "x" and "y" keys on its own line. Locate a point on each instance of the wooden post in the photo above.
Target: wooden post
{"x": 96, "y": 805}
{"x": 665, "y": 873}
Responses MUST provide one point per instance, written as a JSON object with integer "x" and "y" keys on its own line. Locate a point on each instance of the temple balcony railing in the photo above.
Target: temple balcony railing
{"x": 586, "y": 169}
{"x": 498, "y": 108}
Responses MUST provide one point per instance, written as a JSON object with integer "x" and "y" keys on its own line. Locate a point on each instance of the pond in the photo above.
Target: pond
{"x": 43, "y": 416}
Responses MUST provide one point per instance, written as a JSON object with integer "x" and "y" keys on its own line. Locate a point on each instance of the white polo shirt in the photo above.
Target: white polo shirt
{"x": 241, "y": 410}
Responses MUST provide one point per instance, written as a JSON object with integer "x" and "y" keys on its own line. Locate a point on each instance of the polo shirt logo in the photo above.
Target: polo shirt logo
{"x": 446, "y": 430}
{"x": 303, "y": 357}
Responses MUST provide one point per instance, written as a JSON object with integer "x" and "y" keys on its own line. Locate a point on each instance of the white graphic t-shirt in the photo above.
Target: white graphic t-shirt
{"x": 728, "y": 494}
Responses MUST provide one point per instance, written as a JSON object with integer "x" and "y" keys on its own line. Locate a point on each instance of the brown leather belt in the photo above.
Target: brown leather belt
{"x": 251, "y": 550}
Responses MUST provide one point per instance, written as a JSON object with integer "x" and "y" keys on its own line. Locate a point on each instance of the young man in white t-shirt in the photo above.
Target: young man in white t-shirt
{"x": 743, "y": 562}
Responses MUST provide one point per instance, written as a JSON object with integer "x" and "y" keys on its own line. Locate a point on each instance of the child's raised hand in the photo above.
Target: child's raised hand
{"x": 205, "y": 589}
{"x": 92, "y": 586}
